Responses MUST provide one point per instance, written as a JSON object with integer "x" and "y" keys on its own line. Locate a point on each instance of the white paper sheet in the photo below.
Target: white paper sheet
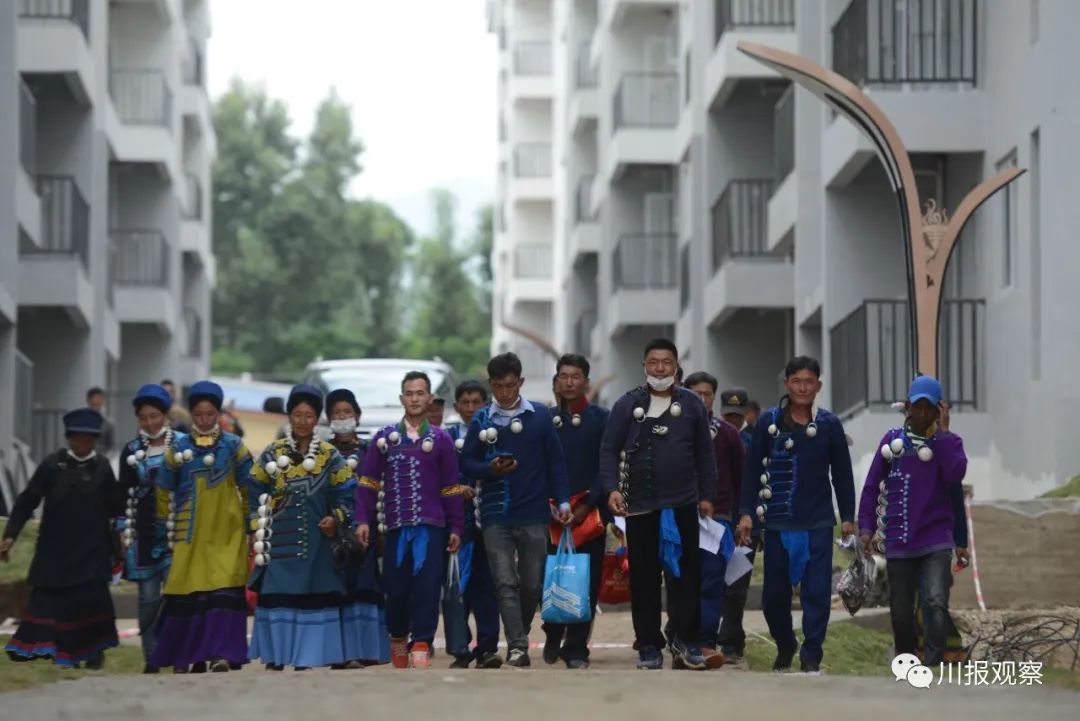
{"x": 711, "y": 534}
{"x": 738, "y": 566}
{"x": 620, "y": 523}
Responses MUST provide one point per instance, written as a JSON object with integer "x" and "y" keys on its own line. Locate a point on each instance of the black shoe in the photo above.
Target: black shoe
{"x": 489, "y": 661}
{"x": 219, "y": 665}
{"x": 552, "y": 648}
{"x": 301, "y": 668}
{"x": 518, "y": 658}
{"x": 198, "y": 667}
{"x": 461, "y": 662}
{"x": 577, "y": 664}
{"x": 275, "y": 667}
{"x": 650, "y": 659}
{"x": 96, "y": 662}
{"x": 813, "y": 668}
{"x": 783, "y": 659}
{"x": 150, "y": 669}
{"x": 338, "y": 666}
{"x": 235, "y": 666}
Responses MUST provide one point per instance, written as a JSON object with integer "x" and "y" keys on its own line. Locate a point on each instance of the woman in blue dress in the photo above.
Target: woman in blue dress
{"x": 300, "y": 487}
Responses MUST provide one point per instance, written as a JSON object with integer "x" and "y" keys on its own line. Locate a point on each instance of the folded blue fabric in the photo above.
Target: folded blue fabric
{"x": 415, "y": 537}
{"x": 464, "y": 560}
{"x": 797, "y": 545}
{"x": 727, "y": 543}
{"x": 670, "y": 542}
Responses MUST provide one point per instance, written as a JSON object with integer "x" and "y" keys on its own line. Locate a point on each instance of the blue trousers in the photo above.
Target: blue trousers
{"x": 713, "y": 591}
{"x": 814, "y": 594}
{"x": 412, "y": 601}
{"x": 482, "y": 601}
{"x": 149, "y": 610}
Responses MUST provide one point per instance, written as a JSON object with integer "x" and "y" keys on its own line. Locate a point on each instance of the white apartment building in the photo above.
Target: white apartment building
{"x": 687, "y": 190}
{"x": 106, "y": 268}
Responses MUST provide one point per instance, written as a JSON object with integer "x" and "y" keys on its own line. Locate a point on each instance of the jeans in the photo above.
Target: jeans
{"x": 149, "y": 609}
{"x": 517, "y": 555}
{"x": 683, "y": 593}
{"x": 575, "y": 636}
{"x": 815, "y": 594}
{"x": 713, "y": 592}
{"x": 732, "y": 636}
{"x": 929, "y": 577}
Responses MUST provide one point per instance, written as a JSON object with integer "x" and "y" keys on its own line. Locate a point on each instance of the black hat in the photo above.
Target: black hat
{"x": 438, "y": 401}
{"x": 341, "y": 394}
{"x": 734, "y": 400}
{"x": 83, "y": 420}
{"x": 305, "y": 393}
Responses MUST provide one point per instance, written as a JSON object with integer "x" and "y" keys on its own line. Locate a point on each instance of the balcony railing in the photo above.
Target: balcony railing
{"x": 193, "y": 198}
{"x": 24, "y": 398}
{"x": 583, "y": 200}
{"x": 684, "y": 277}
{"x": 141, "y": 97}
{"x": 46, "y": 432}
{"x": 871, "y": 354}
{"x": 193, "y": 334}
{"x": 585, "y": 76}
{"x": 532, "y": 58}
{"x": 27, "y": 129}
{"x": 583, "y": 328}
{"x": 533, "y": 261}
{"x": 65, "y": 218}
{"x": 532, "y": 160}
{"x": 647, "y": 100}
{"x": 76, "y": 11}
{"x": 784, "y": 135}
{"x": 645, "y": 261}
{"x": 906, "y": 41}
{"x": 753, "y": 13}
{"x": 142, "y": 258}
{"x": 740, "y": 221}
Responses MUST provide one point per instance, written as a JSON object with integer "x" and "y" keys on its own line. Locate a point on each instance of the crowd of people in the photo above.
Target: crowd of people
{"x": 346, "y": 542}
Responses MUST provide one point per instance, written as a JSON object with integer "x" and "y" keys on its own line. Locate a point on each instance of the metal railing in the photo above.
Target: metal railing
{"x": 76, "y": 11}
{"x": 46, "y": 432}
{"x": 740, "y": 220}
{"x": 27, "y": 129}
{"x": 24, "y": 398}
{"x": 753, "y": 13}
{"x": 142, "y": 258}
{"x": 684, "y": 277}
{"x": 65, "y": 219}
{"x": 583, "y": 328}
{"x": 583, "y": 200}
{"x": 784, "y": 136}
{"x": 871, "y": 354}
{"x": 906, "y": 41}
{"x": 585, "y": 76}
{"x": 647, "y": 100}
{"x": 193, "y": 197}
{"x": 193, "y": 326}
{"x": 644, "y": 261}
{"x": 532, "y": 58}
{"x": 533, "y": 261}
{"x": 141, "y": 97}
{"x": 532, "y": 160}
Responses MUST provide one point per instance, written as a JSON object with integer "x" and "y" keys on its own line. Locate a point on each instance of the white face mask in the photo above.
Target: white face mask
{"x": 154, "y": 436}
{"x": 343, "y": 426}
{"x": 82, "y": 459}
{"x": 660, "y": 384}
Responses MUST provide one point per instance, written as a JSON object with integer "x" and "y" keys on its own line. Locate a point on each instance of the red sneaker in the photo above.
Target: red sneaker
{"x": 420, "y": 656}
{"x": 713, "y": 658}
{"x": 399, "y": 652}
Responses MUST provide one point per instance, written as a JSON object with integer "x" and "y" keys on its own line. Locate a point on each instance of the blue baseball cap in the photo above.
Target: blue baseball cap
{"x": 926, "y": 387}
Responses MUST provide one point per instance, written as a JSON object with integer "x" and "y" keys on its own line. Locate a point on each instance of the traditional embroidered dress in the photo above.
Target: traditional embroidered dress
{"x": 299, "y": 620}
{"x": 70, "y": 614}
{"x": 204, "y": 615}
{"x": 410, "y": 488}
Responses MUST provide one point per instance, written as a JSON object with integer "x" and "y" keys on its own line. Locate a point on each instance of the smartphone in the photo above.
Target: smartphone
{"x": 505, "y": 456}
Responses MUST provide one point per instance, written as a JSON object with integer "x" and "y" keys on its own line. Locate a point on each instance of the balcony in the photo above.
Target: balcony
{"x": 583, "y": 331}
{"x": 531, "y": 78}
{"x": 783, "y": 201}
{"x": 745, "y": 274}
{"x": 54, "y": 37}
{"x": 56, "y": 272}
{"x": 770, "y": 22}
{"x": 46, "y": 432}
{"x": 584, "y": 235}
{"x": 644, "y": 281}
{"x": 192, "y": 68}
{"x": 533, "y": 276}
{"x": 24, "y": 398}
{"x": 584, "y": 103}
{"x": 871, "y": 357}
{"x": 890, "y": 42}
{"x": 616, "y": 12}
{"x": 27, "y": 203}
{"x": 193, "y": 333}
{"x": 27, "y": 129}
{"x": 532, "y": 173}
{"x": 193, "y": 197}
{"x": 144, "y": 112}
{"x": 645, "y": 110}
{"x": 72, "y": 11}
{"x": 142, "y": 275}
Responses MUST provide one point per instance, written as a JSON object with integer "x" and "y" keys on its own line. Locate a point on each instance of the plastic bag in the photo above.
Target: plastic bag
{"x": 566, "y": 585}
{"x": 615, "y": 579}
{"x": 453, "y": 608}
{"x": 856, "y": 582}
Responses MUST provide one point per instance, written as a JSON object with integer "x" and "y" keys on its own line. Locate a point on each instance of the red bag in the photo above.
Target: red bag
{"x": 615, "y": 579}
{"x": 590, "y": 528}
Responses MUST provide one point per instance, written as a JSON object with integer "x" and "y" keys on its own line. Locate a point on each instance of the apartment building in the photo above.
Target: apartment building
{"x": 106, "y": 146}
{"x": 688, "y": 190}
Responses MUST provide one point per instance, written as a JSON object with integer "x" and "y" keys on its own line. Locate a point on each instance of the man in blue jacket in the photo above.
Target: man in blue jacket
{"x": 579, "y": 426}
{"x": 798, "y": 457}
{"x": 512, "y": 452}
{"x": 658, "y": 468}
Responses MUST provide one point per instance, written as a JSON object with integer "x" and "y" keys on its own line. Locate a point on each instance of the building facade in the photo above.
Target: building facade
{"x": 106, "y": 267}
{"x": 689, "y": 191}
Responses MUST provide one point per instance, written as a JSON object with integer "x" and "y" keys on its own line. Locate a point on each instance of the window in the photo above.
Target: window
{"x": 1008, "y": 224}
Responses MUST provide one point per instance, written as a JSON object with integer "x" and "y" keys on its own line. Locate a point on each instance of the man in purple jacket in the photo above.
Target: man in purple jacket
{"x": 906, "y": 512}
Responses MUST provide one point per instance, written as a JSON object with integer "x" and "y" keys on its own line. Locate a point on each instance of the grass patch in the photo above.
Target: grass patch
{"x": 1071, "y": 489}
{"x": 17, "y": 568}
{"x": 15, "y": 676}
{"x": 850, "y": 650}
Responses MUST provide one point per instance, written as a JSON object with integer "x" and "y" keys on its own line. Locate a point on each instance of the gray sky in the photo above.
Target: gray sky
{"x": 420, "y": 76}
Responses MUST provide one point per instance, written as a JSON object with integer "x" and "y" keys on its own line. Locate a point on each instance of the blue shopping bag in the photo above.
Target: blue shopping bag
{"x": 566, "y": 585}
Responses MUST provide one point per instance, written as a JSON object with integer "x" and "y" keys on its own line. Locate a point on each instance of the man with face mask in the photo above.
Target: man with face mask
{"x": 658, "y": 468}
